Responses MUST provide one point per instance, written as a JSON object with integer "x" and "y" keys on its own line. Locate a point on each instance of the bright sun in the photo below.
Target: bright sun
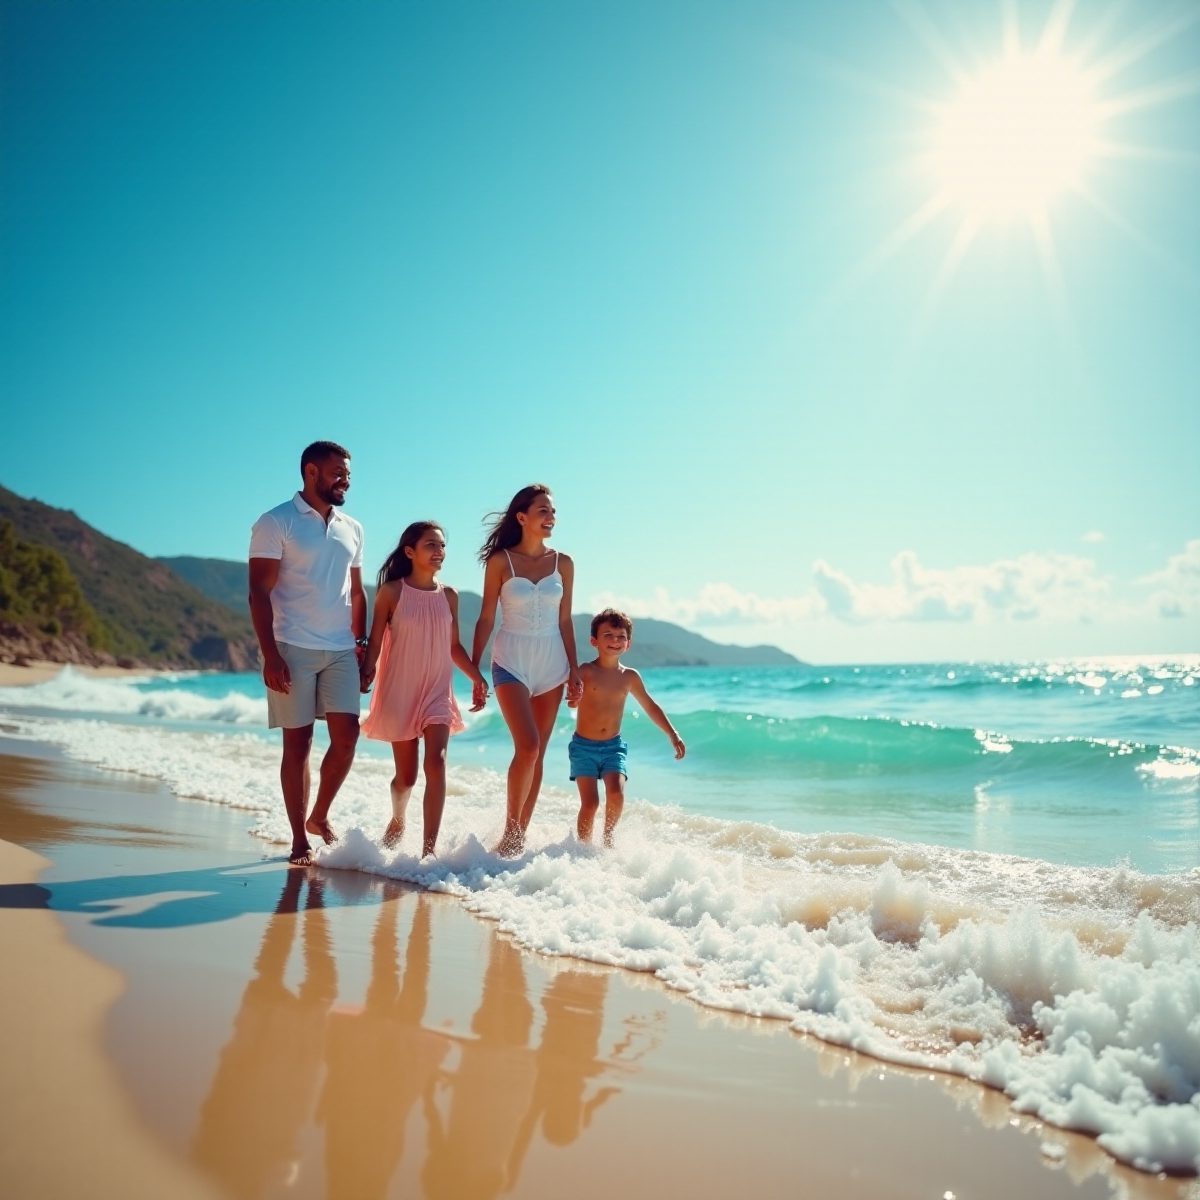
{"x": 1047, "y": 120}
{"x": 1015, "y": 137}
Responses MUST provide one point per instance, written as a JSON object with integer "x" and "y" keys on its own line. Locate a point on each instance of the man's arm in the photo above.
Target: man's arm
{"x": 656, "y": 714}
{"x": 264, "y": 574}
{"x": 358, "y": 609}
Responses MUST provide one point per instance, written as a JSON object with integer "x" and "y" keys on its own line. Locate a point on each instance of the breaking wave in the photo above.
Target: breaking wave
{"x": 1075, "y": 990}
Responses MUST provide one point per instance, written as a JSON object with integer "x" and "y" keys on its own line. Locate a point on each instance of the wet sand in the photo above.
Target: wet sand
{"x": 324, "y": 1033}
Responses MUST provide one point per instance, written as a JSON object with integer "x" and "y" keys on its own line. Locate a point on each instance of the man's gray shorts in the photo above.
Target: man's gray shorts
{"x": 323, "y": 681}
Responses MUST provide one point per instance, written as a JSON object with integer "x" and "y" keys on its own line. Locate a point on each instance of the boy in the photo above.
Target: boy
{"x": 597, "y": 748}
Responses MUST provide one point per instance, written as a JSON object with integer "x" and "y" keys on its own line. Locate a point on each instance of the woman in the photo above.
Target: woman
{"x": 534, "y": 654}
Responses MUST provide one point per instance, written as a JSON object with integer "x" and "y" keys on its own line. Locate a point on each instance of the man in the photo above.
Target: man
{"x": 310, "y": 615}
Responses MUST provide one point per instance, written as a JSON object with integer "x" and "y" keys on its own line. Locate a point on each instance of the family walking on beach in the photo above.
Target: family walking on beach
{"x": 309, "y": 609}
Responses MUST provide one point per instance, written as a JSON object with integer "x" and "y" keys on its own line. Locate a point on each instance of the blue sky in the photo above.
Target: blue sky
{"x": 638, "y": 251}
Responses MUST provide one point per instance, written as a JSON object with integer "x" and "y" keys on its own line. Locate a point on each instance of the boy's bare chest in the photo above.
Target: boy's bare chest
{"x": 606, "y": 689}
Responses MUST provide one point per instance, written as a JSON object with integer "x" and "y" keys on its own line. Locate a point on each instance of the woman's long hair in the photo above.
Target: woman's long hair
{"x": 505, "y": 531}
{"x": 398, "y": 565}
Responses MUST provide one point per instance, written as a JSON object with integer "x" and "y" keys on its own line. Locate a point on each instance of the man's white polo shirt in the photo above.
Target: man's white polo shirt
{"x": 312, "y": 597}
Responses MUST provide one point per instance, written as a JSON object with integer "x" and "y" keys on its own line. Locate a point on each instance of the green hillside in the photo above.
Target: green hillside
{"x": 220, "y": 579}
{"x": 147, "y": 613}
{"x": 42, "y": 606}
{"x": 656, "y": 643}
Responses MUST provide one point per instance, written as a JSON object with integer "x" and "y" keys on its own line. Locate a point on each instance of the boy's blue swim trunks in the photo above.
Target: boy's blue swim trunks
{"x": 594, "y": 760}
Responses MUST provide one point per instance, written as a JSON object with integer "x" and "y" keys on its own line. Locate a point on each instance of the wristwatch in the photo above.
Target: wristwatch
{"x": 362, "y": 641}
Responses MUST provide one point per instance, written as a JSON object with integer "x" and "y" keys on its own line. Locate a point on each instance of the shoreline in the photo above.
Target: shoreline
{"x": 40, "y": 671}
{"x": 739, "y": 1078}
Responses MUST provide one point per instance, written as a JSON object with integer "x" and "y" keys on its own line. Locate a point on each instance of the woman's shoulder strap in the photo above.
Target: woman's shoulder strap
{"x": 510, "y": 566}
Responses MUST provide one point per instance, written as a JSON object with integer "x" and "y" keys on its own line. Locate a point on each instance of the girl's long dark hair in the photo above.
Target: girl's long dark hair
{"x": 398, "y": 565}
{"x": 505, "y": 531}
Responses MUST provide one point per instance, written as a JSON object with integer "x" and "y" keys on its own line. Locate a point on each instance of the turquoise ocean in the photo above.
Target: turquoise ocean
{"x": 991, "y": 869}
{"x": 1087, "y": 763}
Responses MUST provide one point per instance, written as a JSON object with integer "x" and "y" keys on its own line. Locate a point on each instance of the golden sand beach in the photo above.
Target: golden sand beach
{"x": 185, "y": 1018}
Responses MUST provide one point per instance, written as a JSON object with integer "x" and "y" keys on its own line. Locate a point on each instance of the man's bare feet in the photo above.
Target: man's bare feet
{"x": 301, "y": 856}
{"x": 322, "y": 829}
{"x": 392, "y": 834}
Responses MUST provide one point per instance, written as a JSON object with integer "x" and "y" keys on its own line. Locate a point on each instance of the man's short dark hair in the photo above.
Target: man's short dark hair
{"x": 319, "y": 452}
{"x": 614, "y": 617}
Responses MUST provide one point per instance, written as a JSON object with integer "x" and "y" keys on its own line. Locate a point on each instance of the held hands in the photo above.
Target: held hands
{"x": 366, "y": 677}
{"x": 479, "y": 692}
{"x": 574, "y": 690}
{"x": 677, "y": 743}
{"x": 276, "y": 674}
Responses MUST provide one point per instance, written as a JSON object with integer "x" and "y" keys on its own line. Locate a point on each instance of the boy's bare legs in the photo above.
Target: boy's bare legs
{"x": 405, "y": 754}
{"x": 589, "y": 802}
{"x": 614, "y": 804}
{"x": 335, "y": 766}
{"x": 296, "y": 781}
{"x": 530, "y": 720}
{"x": 437, "y": 737}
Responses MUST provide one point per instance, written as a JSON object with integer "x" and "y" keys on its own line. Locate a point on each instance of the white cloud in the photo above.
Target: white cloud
{"x": 1094, "y": 536}
{"x": 1047, "y": 586}
{"x": 1033, "y": 587}
{"x": 1177, "y": 585}
{"x": 717, "y": 604}
{"x": 1052, "y": 586}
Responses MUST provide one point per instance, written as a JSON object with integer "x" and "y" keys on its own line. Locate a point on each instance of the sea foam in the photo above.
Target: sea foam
{"x": 1074, "y": 990}
{"x": 134, "y": 696}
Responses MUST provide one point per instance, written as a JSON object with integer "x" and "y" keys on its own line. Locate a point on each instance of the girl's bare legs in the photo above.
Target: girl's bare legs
{"x": 530, "y": 721}
{"x": 405, "y": 754}
{"x": 437, "y": 737}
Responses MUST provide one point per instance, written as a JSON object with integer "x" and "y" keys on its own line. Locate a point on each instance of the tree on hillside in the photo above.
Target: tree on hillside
{"x": 39, "y": 592}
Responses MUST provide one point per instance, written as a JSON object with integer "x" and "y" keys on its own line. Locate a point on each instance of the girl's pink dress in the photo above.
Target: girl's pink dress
{"x": 413, "y": 681}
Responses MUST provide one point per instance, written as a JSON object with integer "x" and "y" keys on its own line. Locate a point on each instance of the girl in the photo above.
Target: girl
{"x": 416, "y": 629}
{"x": 534, "y": 654}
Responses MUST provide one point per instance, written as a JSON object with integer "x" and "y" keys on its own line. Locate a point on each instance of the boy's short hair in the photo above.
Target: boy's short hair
{"x": 612, "y": 616}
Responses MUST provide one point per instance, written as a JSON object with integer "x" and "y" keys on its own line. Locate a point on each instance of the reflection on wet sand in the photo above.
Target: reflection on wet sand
{"x": 267, "y": 1076}
{"x": 379, "y": 1060}
{"x": 472, "y": 1152}
{"x": 568, "y": 1059}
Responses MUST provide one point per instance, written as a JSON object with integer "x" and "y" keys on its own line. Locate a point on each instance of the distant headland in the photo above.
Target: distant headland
{"x": 70, "y": 594}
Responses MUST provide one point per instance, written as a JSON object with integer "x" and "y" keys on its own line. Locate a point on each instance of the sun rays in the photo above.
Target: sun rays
{"x": 1019, "y": 135}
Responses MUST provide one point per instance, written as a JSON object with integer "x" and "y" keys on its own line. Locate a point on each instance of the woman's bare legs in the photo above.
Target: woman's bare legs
{"x": 530, "y": 720}
{"x": 405, "y": 754}
{"x": 545, "y": 710}
{"x": 437, "y": 737}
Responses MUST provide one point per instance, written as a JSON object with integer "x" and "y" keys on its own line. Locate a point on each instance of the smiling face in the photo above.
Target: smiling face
{"x": 330, "y": 479}
{"x": 538, "y": 518}
{"x": 430, "y": 551}
{"x": 612, "y": 639}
